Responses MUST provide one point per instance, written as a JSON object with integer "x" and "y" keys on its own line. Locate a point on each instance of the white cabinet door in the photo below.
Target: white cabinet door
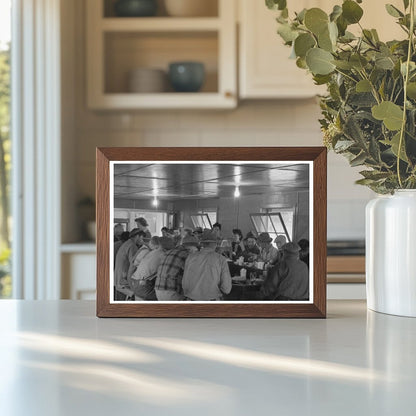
{"x": 265, "y": 68}
{"x": 78, "y": 276}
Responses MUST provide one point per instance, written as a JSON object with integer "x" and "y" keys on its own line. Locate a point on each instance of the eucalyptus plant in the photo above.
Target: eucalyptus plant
{"x": 369, "y": 111}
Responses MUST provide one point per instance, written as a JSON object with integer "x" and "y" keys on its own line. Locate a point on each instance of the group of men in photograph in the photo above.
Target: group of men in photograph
{"x": 198, "y": 264}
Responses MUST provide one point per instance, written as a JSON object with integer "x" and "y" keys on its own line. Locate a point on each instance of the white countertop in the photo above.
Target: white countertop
{"x": 57, "y": 358}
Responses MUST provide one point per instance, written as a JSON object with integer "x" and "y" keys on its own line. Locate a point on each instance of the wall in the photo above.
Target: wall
{"x": 235, "y": 213}
{"x": 254, "y": 123}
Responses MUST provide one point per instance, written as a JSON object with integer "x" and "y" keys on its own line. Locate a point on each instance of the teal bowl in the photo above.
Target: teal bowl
{"x": 186, "y": 76}
{"x": 135, "y": 8}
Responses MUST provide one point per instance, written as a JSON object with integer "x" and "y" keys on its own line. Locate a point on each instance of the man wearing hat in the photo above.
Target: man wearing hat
{"x": 268, "y": 253}
{"x": 288, "y": 280}
{"x": 206, "y": 276}
{"x": 169, "y": 276}
{"x": 251, "y": 251}
{"x": 125, "y": 257}
{"x": 143, "y": 279}
{"x": 142, "y": 224}
{"x": 198, "y": 233}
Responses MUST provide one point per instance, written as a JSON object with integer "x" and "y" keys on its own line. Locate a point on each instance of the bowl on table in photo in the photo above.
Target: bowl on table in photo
{"x": 259, "y": 265}
{"x": 147, "y": 80}
{"x": 191, "y": 8}
{"x": 135, "y": 8}
{"x": 186, "y": 76}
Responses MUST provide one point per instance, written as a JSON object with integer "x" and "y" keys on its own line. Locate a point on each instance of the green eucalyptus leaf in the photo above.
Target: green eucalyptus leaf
{"x": 368, "y": 36}
{"x": 405, "y": 21}
{"x": 342, "y": 25}
{"x": 301, "y": 15}
{"x": 411, "y": 90}
{"x": 358, "y": 61}
{"x": 374, "y": 174}
{"x": 354, "y": 132}
{"x": 396, "y": 70}
{"x": 412, "y": 67}
{"x": 336, "y": 12}
{"x": 363, "y": 86}
{"x": 375, "y": 35}
{"x": 333, "y": 32}
{"x": 316, "y": 20}
{"x": 351, "y": 11}
{"x": 303, "y": 43}
{"x": 365, "y": 182}
{"x": 394, "y": 145}
{"x": 319, "y": 61}
{"x": 321, "y": 79}
{"x": 301, "y": 63}
{"x": 281, "y": 19}
{"x": 347, "y": 37}
{"x": 344, "y": 65}
{"x": 358, "y": 160}
{"x": 384, "y": 62}
{"x": 374, "y": 150}
{"x": 393, "y": 11}
{"x": 382, "y": 89}
{"x": 388, "y": 112}
{"x": 287, "y": 33}
{"x": 343, "y": 145}
{"x": 276, "y": 4}
{"x": 325, "y": 42}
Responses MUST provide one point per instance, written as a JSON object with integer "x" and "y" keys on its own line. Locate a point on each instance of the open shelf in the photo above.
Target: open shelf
{"x": 160, "y": 24}
{"x": 127, "y": 51}
{"x": 210, "y": 9}
{"x": 116, "y": 46}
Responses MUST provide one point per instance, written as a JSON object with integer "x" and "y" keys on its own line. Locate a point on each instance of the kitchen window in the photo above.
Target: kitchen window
{"x": 5, "y": 148}
{"x": 274, "y": 222}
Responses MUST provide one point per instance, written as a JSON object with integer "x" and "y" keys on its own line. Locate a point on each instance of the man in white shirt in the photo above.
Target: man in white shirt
{"x": 143, "y": 279}
{"x": 268, "y": 253}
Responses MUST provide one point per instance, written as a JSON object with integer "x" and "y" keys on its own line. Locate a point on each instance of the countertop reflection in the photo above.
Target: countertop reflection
{"x": 57, "y": 358}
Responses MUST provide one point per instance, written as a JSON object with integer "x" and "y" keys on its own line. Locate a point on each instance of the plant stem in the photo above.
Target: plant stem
{"x": 346, "y": 75}
{"x": 406, "y": 80}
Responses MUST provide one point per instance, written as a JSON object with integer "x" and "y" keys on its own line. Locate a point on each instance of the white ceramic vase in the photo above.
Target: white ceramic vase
{"x": 391, "y": 253}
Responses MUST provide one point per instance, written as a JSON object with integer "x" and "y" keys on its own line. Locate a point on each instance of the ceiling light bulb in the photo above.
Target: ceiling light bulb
{"x": 237, "y": 192}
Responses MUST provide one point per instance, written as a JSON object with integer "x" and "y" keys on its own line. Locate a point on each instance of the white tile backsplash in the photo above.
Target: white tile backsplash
{"x": 258, "y": 123}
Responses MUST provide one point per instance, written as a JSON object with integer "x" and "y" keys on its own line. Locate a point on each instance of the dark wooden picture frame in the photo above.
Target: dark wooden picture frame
{"x": 315, "y": 309}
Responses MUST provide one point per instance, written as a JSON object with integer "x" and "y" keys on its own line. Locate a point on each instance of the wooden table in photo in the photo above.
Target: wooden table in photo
{"x": 248, "y": 288}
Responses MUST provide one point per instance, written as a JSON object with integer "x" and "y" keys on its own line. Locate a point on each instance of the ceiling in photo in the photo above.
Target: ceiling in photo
{"x": 206, "y": 180}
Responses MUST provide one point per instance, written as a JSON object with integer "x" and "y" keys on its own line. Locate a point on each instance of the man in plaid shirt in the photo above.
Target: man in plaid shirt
{"x": 169, "y": 276}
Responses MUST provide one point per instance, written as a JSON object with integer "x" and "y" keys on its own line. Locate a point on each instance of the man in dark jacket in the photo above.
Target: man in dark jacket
{"x": 289, "y": 279}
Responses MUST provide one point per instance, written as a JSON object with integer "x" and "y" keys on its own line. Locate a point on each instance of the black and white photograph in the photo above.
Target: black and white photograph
{"x": 211, "y": 231}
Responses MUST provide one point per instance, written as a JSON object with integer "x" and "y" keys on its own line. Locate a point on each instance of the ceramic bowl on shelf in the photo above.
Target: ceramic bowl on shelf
{"x": 191, "y": 8}
{"x": 147, "y": 81}
{"x": 92, "y": 230}
{"x": 186, "y": 76}
{"x": 135, "y": 8}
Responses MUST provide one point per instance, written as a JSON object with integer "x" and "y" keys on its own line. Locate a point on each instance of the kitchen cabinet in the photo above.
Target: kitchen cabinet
{"x": 78, "y": 264}
{"x": 118, "y": 45}
{"x": 265, "y": 70}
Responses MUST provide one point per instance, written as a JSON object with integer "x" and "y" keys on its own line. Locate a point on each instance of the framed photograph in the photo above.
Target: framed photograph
{"x": 211, "y": 232}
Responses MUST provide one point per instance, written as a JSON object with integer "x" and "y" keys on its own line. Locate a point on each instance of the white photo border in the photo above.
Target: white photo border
{"x": 191, "y": 162}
